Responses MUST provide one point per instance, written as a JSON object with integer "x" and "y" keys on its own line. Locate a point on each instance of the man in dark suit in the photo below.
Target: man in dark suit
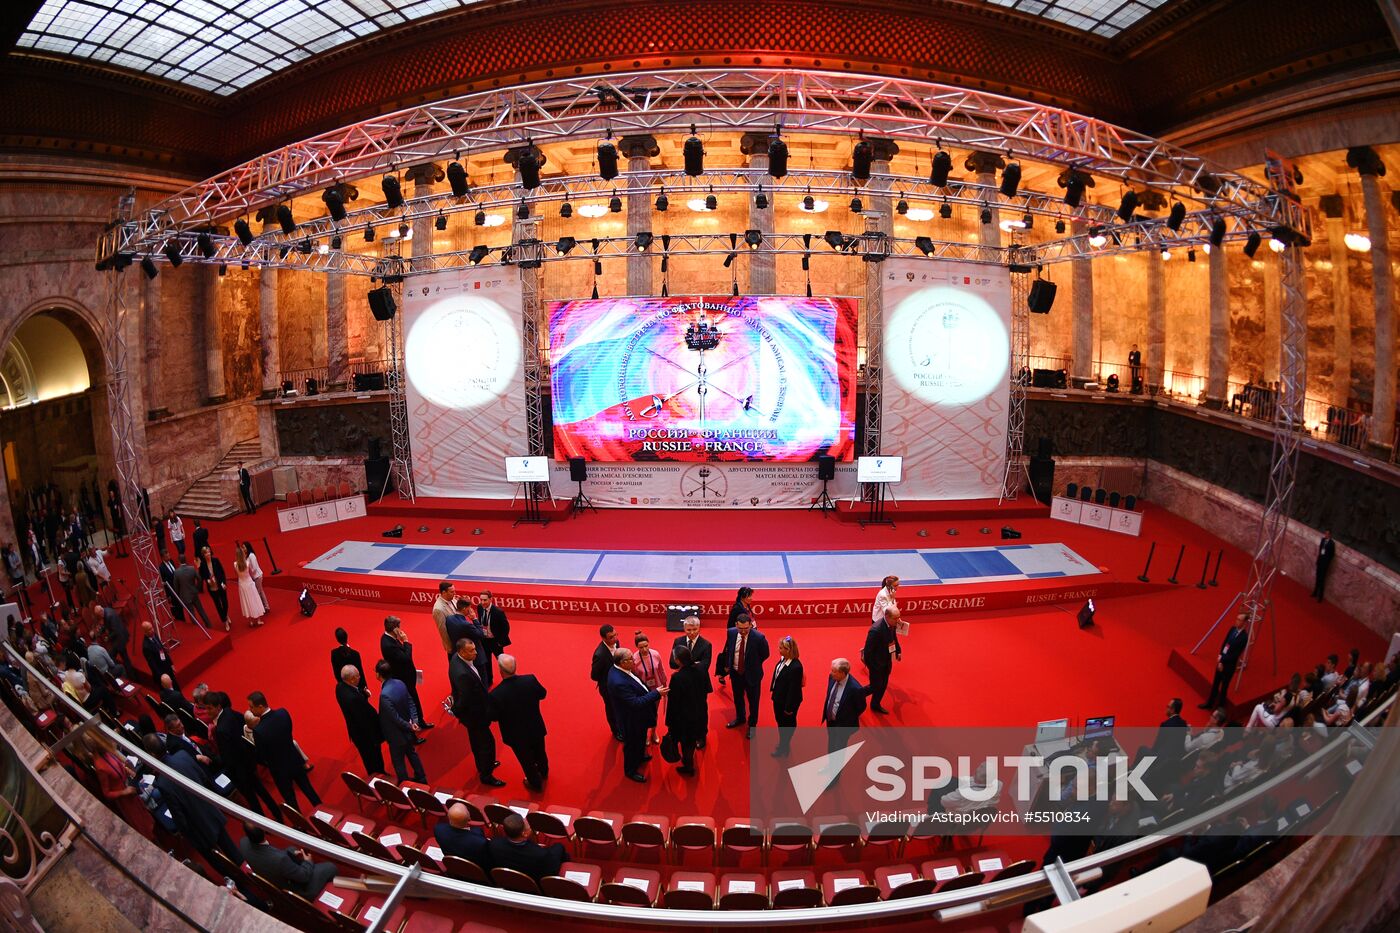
{"x": 157, "y": 658}
{"x": 291, "y": 869}
{"x": 361, "y": 720}
{"x": 198, "y": 821}
{"x": 515, "y": 849}
{"x": 398, "y": 720}
{"x": 395, "y": 648}
{"x": 745, "y": 650}
{"x": 459, "y": 626}
{"x": 201, "y": 538}
{"x": 175, "y": 738}
{"x": 342, "y": 654}
{"x": 1326, "y": 550}
{"x": 702, "y": 654}
{"x": 456, "y": 836}
{"x": 602, "y": 664}
{"x": 118, "y": 636}
{"x": 238, "y": 757}
{"x": 493, "y": 621}
{"x": 471, "y": 704}
{"x": 880, "y": 652}
{"x": 172, "y": 697}
{"x": 1231, "y": 650}
{"x": 515, "y": 704}
{"x": 842, "y": 706}
{"x": 245, "y": 489}
{"x": 635, "y": 708}
{"x": 1169, "y": 747}
{"x": 277, "y": 749}
{"x": 167, "y": 576}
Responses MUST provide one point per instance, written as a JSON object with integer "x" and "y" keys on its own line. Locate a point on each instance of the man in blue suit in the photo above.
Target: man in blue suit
{"x": 635, "y": 707}
{"x": 842, "y": 706}
{"x": 745, "y": 650}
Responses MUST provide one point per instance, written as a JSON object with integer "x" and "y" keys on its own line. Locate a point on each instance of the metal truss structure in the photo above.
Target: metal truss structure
{"x": 712, "y": 100}
{"x": 532, "y": 365}
{"x": 124, "y": 447}
{"x": 391, "y": 273}
{"x": 1016, "y": 476}
{"x": 873, "y": 379}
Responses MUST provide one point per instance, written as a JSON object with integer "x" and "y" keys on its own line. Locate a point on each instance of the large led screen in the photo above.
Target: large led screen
{"x": 703, "y": 378}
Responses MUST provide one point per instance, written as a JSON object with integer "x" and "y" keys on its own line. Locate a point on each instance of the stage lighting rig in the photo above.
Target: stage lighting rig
{"x": 1074, "y": 182}
{"x": 861, "y": 157}
{"x": 393, "y": 194}
{"x": 607, "y": 161}
{"x": 942, "y": 167}
{"x": 285, "y": 219}
{"x": 369, "y": 234}
{"x": 693, "y": 153}
{"x": 1217, "y": 231}
{"x": 243, "y": 231}
{"x": 565, "y": 245}
{"x": 945, "y": 210}
{"x": 148, "y": 266}
{"x": 1010, "y": 179}
{"x": 925, "y": 245}
{"x": 1251, "y": 245}
{"x": 172, "y": 253}
{"x": 642, "y": 242}
{"x": 760, "y": 200}
{"x": 662, "y": 202}
{"x": 458, "y": 180}
{"x": 440, "y": 223}
{"x": 335, "y": 203}
{"x": 1128, "y": 205}
{"x": 528, "y": 165}
{"x": 1176, "y": 217}
{"x": 857, "y": 206}
{"x": 753, "y": 239}
{"x": 477, "y": 254}
{"x": 777, "y": 157}
{"x": 205, "y": 245}
{"x": 615, "y": 204}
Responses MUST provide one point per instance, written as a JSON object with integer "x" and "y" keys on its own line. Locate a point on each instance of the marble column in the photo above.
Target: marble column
{"x": 1218, "y": 365}
{"x": 985, "y": 164}
{"x": 1341, "y": 311}
{"x": 1383, "y": 298}
{"x": 148, "y": 303}
{"x": 424, "y": 177}
{"x": 1273, "y": 312}
{"x": 763, "y": 263}
{"x": 209, "y": 283}
{"x": 337, "y": 330}
{"x": 267, "y": 323}
{"x": 1156, "y": 356}
{"x": 1081, "y": 358}
{"x": 639, "y": 151}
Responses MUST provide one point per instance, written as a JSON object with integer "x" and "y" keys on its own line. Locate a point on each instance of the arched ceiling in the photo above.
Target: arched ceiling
{"x": 194, "y": 86}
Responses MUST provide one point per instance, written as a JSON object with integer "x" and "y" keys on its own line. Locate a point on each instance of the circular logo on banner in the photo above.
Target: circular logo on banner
{"x": 462, "y": 352}
{"x": 704, "y": 482}
{"x": 947, "y": 346}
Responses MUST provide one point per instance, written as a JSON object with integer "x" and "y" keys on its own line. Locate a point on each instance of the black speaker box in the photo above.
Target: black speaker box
{"x": 826, "y": 467}
{"x": 369, "y": 382}
{"x": 1041, "y": 297}
{"x": 1009, "y": 534}
{"x": 307, "y": 603}
{"x": 1042, "y": 474}
{"x": 381, "y": 303}
{"x": 578, "y": 469}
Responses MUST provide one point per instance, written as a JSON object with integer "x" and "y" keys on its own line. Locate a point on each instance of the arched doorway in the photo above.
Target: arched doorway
{"x": 57, "y": 447}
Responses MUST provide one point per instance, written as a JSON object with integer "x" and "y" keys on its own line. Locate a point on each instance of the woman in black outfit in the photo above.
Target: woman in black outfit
{"x": 211, "y": 571}
{"x": 786, "y": 688}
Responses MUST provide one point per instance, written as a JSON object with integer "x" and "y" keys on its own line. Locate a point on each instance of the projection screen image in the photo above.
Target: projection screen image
{"x": 703, "y": 378}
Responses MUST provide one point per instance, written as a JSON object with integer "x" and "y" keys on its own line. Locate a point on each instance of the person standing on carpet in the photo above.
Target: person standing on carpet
{"x": 471, "y": 704}
{"x": 686, "y": 710}
{"x": 187, "y": 587}
{"x": 459, "y": 627}
{"x": 786, "y": 690}
{"x": 515, "y": 704}
{"x": 255, "y": 571}
{"x": 245, "y": 489}
{"x": 1326, "y": 550}
{"x": 701, "y": 655}
{"x": 278, "y": 750}
{"x": 248, "y": 599}
{"x": 398, "y": 718}
{"x": 649, "y": 670}
{"x": 397, "y": 650}
{"x": 443, "y": 607}
{"x": 493, "y": 621}
{"x": 602, "y": 664}
{"x": 879, "y": 654}
{"x": 361, "y": 720}
{"x": 342, "y": 654}
{"x": 211, "y": 571}
{"x": 844, "y": 702}
{"x": 157, "y": 658}
{"x": 743, "y": 600}
{"x": 175, "y": 525}
{"x": 885, "y": 599}
{"x": 1230, "y": 653}
{"x": 745, "y": 650}
{"x": 635, "y": 707}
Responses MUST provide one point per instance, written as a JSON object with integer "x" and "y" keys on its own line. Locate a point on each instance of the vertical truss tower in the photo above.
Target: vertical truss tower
{"x": 1016, "y": 477}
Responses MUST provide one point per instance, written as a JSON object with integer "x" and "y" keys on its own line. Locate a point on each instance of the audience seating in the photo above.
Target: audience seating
{"x": 358, "y": 786}
{"x": 1113, "y": 498}
{"x": 645, "y": 833}
{"x": 690, "y": 890}
{"x": 575, "y": 881}
{"x": 463, "y": 870}
{"x": 1100, "y": 495}
{"x": 845, "y": 886}
{"x": 792, "y": 838}
{"x": 692, "y": 834}
{"x": 293, "y": 498}
{"x": 1085, "y": 494}
{"x": 899, "y": 881}
{"x": 345, "y": 491}
{"x": 596, "y": 834}
{"x": 1130, "y": 503}
{"x": 511, "y": 880}
{"x": 741, "y": 837}
{"x": 795, "y": 887}
{"x": 428, "y": 803}
{"x": 411, "y": 855}
{"x": 743, "y": 891}
{"x": 634, "y": 887}
{"x": 1071, "y": 490}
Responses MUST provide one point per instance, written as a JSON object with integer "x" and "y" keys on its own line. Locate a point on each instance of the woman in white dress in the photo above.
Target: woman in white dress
{"x": 884, "y": 600}
{"x": 256, "y": 573}
{"x": 248, "y": 597}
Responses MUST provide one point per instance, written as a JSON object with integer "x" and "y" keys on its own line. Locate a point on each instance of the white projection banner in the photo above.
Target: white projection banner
{"x": 947, "y": 347}
{"x": 465, "y": 386}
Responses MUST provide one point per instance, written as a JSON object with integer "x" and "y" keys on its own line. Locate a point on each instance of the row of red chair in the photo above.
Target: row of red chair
{"x": 320, "y": 493}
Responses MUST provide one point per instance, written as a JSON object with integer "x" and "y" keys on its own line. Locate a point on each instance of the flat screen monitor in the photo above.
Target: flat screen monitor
{"x": 879, "y": 469}
{"x": 1051, "y": 730}
{"x": 1098, "y": 727}
{"x": 527, "y": 469}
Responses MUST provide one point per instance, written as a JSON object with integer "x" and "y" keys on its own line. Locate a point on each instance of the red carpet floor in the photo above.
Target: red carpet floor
{"x": 1003, "y": 669}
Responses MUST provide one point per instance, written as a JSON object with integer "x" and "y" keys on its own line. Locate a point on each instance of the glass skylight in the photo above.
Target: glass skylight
{"x": 219, "y": 46}
{"x": 1105, "y": 18}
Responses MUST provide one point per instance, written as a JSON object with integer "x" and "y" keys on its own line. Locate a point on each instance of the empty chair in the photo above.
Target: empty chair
{"x": 293, "y": 498}
{"x": 372, "y": 908}
{"x": 740, "y": 837}
{"x": 690, "y": 890}
{"x": 1071, "y": 490}
{"x": 693, "y": 834}
{"x": 552, "y": 825}
{"x": 596, "y": 834}
{"x": 412, "y": 855}
{"x": 634, "y": 887}
{"x": 343, "y": 491}
{"x": 791, "y": 838}
{"x": 1085, "y": 494}
{"x": 427, "y": 804}
{"x": 743, "y": 891}
{"x": 363, "y": 791}
{"x": 841, "y": 837}
{"x": 848, "y": 886}
{"x": 512, "y": 880}
{"x": 575, "y": 882}
{"x": 391, "y": 796}
{"x": 456, "y": 867}
{"x": 1130, "y": 503}
{"x": 792, "y": 888}
{"x": 1113, "y": 499}
{"x": 1100, "y": 495}
{"x": 898, "y": 881}
{"x": 645, "y": 834}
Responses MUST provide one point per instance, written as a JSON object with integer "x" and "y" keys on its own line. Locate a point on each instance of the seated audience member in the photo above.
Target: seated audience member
{"x": 965, "y": 799}
{"x": 515, "y": 849}
{"x": 172, "y": 697}
{"x": 1339, "y": 713}
{"x": 1330, "y": 675}
{"x": 1267, "y": 713}
{"x": 98, "y": 658}
{"x": 284, "y": 868}
{"x": 1254, "y": 764}
{"x": 1209, "y": 735}
{"x": 1352, "y": 658}
{"x": 457, "y": 837}
{"x": 1361, "y": 682}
